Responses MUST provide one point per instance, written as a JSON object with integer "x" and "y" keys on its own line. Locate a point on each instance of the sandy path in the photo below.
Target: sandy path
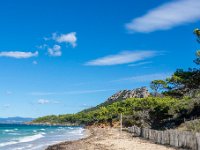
{"x": 109, "y": 139}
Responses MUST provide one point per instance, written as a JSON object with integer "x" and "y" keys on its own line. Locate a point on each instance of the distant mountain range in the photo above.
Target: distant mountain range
{"x": 11, "y": 120}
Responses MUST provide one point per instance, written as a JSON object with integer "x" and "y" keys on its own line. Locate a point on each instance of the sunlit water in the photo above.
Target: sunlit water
{"x": 26, "y": 137}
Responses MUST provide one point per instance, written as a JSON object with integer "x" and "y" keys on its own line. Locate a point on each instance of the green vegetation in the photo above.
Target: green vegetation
{"x": 179, "y": 100}
{"x": 158, "y": 85}
{"x": 193, "y": 126}
{"x": 152, "y": 112}
{"x": 182, "y": 81}
{"x": 197, "y": 33}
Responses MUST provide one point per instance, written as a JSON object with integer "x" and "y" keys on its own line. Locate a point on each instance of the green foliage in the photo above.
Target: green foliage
{"x": 197, "y": 33}
{"x": 158, "y": 85}
{"x": 151, "y": 111}
{"x": 182, "y": 82}
{"x": 197, "y": 60}
{"x": 154, "y": 112}
{"x": 193, "y": 126}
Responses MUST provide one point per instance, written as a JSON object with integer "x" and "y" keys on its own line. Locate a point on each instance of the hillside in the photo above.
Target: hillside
{"x": 152, "y": 112}
{"x": 122, "y": 95}
{"x": 85, "y": 116}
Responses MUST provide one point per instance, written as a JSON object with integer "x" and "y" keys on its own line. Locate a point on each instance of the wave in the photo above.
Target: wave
{"x": 8, "y": 143}
{"x": 14, "y": 133}
{"x": 31, "y": 138}
{"x": 42, "y": 129}
{"x": 25, "y": 147}
{"x": 10, "y": 130}
{"x": 23, "y": 140}
{"x": 38, "y": 138}
{"x": 78, "y": 131}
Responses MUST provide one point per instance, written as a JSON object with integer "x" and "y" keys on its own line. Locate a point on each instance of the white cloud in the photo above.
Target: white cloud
{"x": 146, "y": 77}
{"x": 55, "y": 50}
{"x": 167, "y": 16}
{"x": 18, "y": 54}
{"x": 43, "y": 101}
{"x": 140, "y": 63}
{"x": 42, "y": 46}
{"x": 69, "y": 38}
{"x": 42, "y": 93}
{"x": 122, "y": 58}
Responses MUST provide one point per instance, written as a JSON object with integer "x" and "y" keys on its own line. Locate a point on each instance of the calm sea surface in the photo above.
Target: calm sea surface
{"x": 26, "y": 137}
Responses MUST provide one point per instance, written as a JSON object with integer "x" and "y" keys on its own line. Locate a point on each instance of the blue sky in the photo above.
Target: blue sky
{"x": 64, "y": 56}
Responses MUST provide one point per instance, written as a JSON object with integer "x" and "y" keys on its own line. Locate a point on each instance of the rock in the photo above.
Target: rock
{"x": 135, "y": 93}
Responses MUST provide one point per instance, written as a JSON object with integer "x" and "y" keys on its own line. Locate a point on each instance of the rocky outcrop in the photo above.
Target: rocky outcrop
{"x": 124, "y": 94}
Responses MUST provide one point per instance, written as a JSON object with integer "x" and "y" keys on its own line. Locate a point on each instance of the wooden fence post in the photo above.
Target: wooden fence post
{"x": 169, "y": 137}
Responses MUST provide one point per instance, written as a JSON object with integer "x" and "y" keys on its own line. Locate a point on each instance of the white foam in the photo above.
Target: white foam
{"x": 14, "y": 133}
{"x": 42, "y": 129}
{"x": 22, "y": 143}
{"x": 23, "y": 140}
{"x": 78, "y": 131}
{"x": 25, "y": 147}
{"x": 8, "y": 143}
{"x": 9, "y": 130}
{"x": 31, "y": 138}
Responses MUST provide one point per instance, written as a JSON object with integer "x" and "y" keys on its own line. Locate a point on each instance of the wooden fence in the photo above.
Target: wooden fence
{"x": 180, "y": 139}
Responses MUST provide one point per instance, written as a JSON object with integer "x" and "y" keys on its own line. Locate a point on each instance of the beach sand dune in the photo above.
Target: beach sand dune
{"x": 109, "y": 139}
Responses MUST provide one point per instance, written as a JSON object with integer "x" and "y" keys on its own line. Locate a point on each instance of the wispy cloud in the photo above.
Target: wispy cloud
{"x": 43, "y": 46}
{"x": 140, "y": 63}
{"x": 55, "y": 50}
{"x": 124, "y": 57}
{"x": 167, "y": 16}
{"x": 85, "y": 106}
{"x": 69, "y": 38}
{"x": 18, "y": 54}
{"x": 70, "y": 92}
{"x": 146, "y": 77}
{"x": 43, "y": 101}
{"x": 43, "y": 93}
{"x": 46, "y": 101}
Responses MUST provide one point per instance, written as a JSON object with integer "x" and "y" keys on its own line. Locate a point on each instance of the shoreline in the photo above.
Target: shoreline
{"x": 89, "y": 133}
{"x": 108, "y": 139}
{"x": 50, "y": 124}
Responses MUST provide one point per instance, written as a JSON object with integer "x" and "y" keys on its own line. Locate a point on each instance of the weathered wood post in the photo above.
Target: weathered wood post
{"x": 121, "y": 122}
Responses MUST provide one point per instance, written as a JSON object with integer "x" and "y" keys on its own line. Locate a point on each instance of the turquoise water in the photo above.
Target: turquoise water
{"x": 26, "y": 137}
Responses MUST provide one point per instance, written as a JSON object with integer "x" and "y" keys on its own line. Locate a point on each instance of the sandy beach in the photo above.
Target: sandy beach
{"x": 109, "y": 139}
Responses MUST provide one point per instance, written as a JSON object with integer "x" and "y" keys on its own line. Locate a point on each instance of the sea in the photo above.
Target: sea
{"x": 36, "y": 137}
